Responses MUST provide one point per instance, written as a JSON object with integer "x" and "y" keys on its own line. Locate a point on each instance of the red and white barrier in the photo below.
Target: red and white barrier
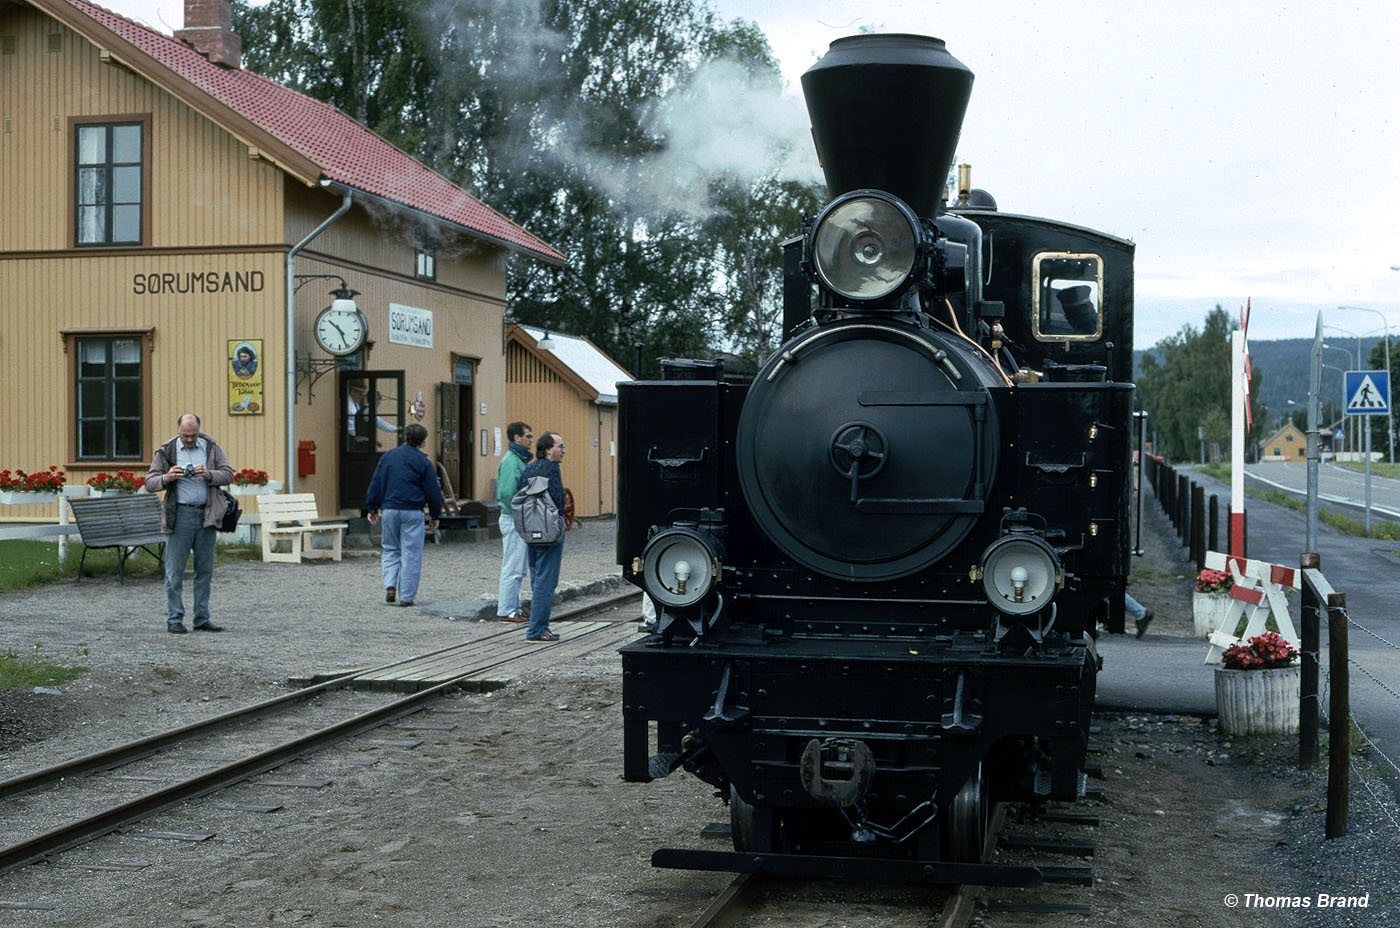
{"x": 1257, "y": 594}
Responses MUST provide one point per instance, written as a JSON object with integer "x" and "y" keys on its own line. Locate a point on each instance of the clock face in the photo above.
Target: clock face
{"x": 340, "y": 332}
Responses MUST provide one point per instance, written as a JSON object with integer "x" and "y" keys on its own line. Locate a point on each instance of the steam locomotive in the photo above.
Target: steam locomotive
{"x": 880, "y": 564}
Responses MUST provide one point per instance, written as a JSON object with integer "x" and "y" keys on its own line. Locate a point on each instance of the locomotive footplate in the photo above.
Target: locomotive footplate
{"x": 929, "y": 711}
{"x": 849, "y": 868}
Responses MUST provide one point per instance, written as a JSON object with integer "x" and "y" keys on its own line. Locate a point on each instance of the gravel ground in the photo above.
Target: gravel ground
{"x": 518, "y": 816}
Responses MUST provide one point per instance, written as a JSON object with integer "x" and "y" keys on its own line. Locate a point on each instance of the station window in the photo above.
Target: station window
{"x": 110, "y": 180}
{"x": 1068, "y": 297}
{"x": 427, "y": 262}
{"x": 110, "y": 382}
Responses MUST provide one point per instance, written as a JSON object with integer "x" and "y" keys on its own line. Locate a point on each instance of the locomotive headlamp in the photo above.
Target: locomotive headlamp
{"x": 865, "y": 245}
{"x": 1020, "y": 573}
{"x": 679, "y": 567}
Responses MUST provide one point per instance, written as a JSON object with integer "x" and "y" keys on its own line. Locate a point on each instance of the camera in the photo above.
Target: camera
{"x": 189, "y": 470}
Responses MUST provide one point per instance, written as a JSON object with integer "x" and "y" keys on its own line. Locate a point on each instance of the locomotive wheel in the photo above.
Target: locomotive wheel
{"x": 752, "y": 829}
{"x": 965, "y": 828}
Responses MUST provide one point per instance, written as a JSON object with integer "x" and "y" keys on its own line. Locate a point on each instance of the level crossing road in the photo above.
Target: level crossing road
{"x": 1368, "y": 571}
{"x": 1335, "y": 484}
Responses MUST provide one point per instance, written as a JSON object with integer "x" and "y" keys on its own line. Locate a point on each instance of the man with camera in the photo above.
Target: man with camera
{"x": 189, "y": 467}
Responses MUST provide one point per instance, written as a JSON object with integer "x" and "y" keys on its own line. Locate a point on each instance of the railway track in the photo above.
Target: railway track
{"x": 256, "y": 739}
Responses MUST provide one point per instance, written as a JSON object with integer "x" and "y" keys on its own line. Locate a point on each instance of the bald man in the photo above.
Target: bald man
{"x": 188, "y": 467}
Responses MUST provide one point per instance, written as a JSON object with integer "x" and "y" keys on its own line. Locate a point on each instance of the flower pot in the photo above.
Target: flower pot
{"x": 77, "y": 489}
{"x": 1258, "y": 702}
{"x": 255, "y": 489}
{"x": 27, "y": 497}
{"x": 106, "y": 493}
{"x": 1208, "y": 612}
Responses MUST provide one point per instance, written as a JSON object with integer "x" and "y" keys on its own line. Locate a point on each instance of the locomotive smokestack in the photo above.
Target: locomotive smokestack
{"x": 886, "y": 111}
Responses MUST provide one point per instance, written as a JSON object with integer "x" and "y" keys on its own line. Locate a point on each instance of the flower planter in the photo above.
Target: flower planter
{"x": 1208, "y": 612}
{"x": 78, "y": 489}
{"x": 27, "y": 497}
{"x": 1258, "y": 702}
{"x": 255, "y": 489}
{"x": 106, "y": 493}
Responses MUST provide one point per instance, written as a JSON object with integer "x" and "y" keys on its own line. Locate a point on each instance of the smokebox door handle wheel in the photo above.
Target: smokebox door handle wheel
{"x": 858, "y": 453}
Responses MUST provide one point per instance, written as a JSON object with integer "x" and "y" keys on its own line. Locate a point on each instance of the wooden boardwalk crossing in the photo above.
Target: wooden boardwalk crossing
{"x": 490, "y": 662}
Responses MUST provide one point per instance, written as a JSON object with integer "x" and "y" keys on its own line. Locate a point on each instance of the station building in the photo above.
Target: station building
{"x": 176, "y": 227}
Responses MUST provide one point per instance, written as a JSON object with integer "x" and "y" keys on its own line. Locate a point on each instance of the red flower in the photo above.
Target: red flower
{"x": 1262, "y": 652}
{"x": 1214, "y": 581}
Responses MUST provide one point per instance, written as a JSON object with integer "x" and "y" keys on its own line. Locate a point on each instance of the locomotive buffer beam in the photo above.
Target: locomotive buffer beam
{"x": 872, "y": 869}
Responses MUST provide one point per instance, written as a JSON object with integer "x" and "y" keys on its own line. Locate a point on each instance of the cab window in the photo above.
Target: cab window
{"x": 1068, "y": 301}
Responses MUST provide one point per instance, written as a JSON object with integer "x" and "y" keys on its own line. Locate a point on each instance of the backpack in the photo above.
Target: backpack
{"x": 232, "y": 512}
{"x": 537, "y": 519}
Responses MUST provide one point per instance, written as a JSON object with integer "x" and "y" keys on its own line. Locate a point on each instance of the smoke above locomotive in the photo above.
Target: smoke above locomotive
{"x": 886, "y": 111}
{"x": 880, "y": 564}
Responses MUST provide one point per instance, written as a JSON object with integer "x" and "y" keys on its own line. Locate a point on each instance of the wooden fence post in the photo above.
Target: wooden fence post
{"x": 1307, "y": 688}
{"x": 1339, "y": 717}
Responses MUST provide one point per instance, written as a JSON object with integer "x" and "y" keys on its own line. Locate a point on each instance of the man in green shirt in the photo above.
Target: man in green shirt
{"x": 519, "y": 438}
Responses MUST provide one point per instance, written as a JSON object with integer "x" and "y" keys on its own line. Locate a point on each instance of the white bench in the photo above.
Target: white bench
{"x": 292, "y": 518}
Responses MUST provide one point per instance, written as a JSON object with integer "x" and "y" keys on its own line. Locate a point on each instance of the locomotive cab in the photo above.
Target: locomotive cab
{"x": 879, "y": 565}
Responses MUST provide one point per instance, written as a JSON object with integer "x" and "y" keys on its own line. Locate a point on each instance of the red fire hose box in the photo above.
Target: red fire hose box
{"x": 306, "y": 458}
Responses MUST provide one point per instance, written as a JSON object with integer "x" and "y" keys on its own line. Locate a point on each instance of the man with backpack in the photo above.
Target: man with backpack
{"x": 544, "y": 558}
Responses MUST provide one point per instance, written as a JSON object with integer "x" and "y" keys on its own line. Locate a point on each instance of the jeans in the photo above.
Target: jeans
{"x": 512, "y": 567}
{"x": 401, "y": 534}
{"x": 188, "y": 532}
{"x": 1136, "y": 610}
{"x": 544, "y": 577}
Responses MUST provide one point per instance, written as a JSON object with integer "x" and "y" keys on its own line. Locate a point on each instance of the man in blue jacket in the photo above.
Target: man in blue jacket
{"x": 545, "y": 559}
{"x": 403, "y": 483}
{"x": 513, "y": 463}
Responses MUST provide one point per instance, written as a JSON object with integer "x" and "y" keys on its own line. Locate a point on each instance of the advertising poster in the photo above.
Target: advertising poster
{"x": 245, "y": 377}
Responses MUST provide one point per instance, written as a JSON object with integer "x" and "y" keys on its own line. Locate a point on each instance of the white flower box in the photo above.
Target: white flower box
{"x": 1208, "y": 612}
{"x": 27, "y": 497}
{"x": 1258, "y": 702}
{"x": 253, "y": 489}
{"x": 76, "y": 489}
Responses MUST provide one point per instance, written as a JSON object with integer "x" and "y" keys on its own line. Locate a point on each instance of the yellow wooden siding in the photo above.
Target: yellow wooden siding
{"x": 204, "y": 189}
{"x": 537, "y": 395}
{"x": 40, "y": 297}
{"x": 371, "y": 236}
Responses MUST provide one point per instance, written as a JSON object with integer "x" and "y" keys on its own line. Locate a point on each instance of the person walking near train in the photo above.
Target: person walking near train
{"x": 545, "y": 559}
{"x": 187, "y": 468}
{"x": 403, "y": 483}
{"x": 519, "y": 437}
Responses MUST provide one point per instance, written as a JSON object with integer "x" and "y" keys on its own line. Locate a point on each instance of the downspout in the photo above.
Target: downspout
{"x": 292, "y": 335}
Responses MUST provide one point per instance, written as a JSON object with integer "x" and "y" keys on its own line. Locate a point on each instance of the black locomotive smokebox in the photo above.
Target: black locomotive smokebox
{"x": 886, "y": 111}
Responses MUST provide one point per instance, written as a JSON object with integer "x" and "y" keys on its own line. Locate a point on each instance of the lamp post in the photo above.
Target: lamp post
{"x": 1385, "y": 324}
{"x": 1344, "y": 421}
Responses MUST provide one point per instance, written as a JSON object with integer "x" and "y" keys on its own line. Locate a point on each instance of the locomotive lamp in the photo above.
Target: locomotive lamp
{"x": 867, "y": 246}
{"x": 669, "y": 567}
{"x": 1020, "y": 573}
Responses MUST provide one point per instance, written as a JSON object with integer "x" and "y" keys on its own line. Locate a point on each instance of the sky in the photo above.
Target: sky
{"x": 1251, "y": 150}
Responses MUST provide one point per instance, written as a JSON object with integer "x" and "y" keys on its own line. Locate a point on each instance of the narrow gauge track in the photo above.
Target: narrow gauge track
{"x": 939, "y": 906}
{"x": 472, "y": 660}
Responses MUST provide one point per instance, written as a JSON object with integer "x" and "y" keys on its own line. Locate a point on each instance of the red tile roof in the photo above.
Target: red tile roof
{"x": 326, "y": 139}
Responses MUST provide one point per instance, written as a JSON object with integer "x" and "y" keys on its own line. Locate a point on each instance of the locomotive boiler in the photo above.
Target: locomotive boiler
{"x": 880, "y": 563}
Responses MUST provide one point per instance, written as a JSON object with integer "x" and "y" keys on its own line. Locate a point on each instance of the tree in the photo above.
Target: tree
{"x": 582, "y": 121}
{"x": 1189, "y": 387}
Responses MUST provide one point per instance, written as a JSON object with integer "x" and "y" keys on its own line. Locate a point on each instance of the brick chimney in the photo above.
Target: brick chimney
{"x": 209, "y": 29}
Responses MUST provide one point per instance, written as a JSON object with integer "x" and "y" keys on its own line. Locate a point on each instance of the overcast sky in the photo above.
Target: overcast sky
{"x": 1250, "y": 149}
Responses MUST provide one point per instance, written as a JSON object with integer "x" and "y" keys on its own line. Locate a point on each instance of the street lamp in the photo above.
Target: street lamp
{"x": 1334, "y": 367}
{"x": 1389, "y": 427}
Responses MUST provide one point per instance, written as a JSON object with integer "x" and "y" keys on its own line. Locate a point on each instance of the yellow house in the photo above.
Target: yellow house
{"x": 568, "y": 385}
{"x": 1287, "y": 444}
{"x": 175, "y": 227}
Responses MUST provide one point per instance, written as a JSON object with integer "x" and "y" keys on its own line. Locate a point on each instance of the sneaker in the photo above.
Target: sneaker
{"x": 1143, "y": 622}
{"x": 515, "y": 617}
{"x": 405, "y": 603}
{"x": 176, "y": 628}
{"x": 206, "y": 627}
{"x": 390, "y": 593}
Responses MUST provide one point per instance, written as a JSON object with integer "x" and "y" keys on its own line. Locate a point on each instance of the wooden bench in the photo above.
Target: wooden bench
{"x": 292, "y": 518}
{"x": 129, "y": 523}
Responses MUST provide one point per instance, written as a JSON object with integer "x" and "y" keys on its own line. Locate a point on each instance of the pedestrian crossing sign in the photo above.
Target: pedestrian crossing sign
{"x": 1368, "y": 393}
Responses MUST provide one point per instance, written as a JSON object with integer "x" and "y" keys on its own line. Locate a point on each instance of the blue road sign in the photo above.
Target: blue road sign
{"x": 1367, "y": 393}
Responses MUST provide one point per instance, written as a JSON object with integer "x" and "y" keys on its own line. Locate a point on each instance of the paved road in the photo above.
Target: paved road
{"x": 1368, "y": 571}
{"x": 1334, "y": 485}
